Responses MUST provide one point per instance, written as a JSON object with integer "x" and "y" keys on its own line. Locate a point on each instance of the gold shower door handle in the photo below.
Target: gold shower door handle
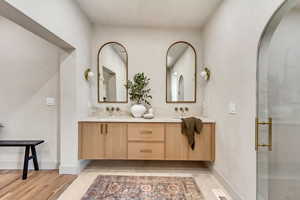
{"x": 257, "y": 124}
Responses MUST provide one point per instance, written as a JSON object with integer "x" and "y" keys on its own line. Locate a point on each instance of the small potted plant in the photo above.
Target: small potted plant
{"x": 139, "y": 94}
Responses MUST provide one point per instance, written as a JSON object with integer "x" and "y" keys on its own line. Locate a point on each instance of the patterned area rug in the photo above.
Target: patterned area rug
{"x": 143, "y": 188}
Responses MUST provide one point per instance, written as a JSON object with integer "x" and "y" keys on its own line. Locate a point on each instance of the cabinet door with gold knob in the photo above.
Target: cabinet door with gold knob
{"x": 115, "y": 141}
{"x": 91, "y": 141}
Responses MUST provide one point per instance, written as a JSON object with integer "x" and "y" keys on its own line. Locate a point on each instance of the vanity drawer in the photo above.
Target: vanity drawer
{"x": 146, "y": 132}
{"x": 146, "y": 151}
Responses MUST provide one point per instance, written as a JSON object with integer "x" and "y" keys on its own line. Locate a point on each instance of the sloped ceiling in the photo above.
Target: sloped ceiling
{"x": 27, "y": 63}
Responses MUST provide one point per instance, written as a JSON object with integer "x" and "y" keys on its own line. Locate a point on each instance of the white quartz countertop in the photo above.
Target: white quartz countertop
{"x": 139, "y": 120}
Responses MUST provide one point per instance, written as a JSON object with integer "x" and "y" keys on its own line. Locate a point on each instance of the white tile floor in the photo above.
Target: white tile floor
{"x": 205, "y": 180}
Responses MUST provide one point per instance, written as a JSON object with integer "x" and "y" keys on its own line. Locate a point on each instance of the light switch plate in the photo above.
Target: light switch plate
{"x": 50, "y": 101}
{"x": 232, "y": 108}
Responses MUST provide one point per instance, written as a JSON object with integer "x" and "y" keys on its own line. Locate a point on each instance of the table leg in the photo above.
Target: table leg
{"x": 26, "y": 159}
{"x": 34, "y": 157}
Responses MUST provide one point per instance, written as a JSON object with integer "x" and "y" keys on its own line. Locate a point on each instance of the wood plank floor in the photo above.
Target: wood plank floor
{"x": 41, "y": 185}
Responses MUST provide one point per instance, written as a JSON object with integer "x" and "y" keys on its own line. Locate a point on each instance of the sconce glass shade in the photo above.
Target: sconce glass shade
{"x": 88, "y": 74}
{"x": 206, "y": 74}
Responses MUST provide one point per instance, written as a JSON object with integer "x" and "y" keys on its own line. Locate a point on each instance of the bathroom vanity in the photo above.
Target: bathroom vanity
{"x": 140, "y": 139}
{"x": 127, "y": 138}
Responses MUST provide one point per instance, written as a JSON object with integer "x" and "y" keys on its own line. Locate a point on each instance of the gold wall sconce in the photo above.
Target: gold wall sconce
{"x": 88, "y": 74}
{"x": 206, "y": 74}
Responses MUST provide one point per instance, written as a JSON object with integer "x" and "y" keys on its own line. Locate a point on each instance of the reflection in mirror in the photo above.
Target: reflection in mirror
{"x": 112, "y": 73}
{"x": 181, "y": 73}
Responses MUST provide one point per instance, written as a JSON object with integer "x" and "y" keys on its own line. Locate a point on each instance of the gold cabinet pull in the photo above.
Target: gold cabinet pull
{"x": 146, "y": 132}
{"x": 101, "y": 129}
{"x": 106, "y": 129}
{"x": 270, "y": 124}
{"x": 146, "y": 151}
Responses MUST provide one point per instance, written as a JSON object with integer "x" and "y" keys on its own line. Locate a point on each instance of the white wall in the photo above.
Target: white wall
{"x": 66, "y": 20}
{"x": 231, "y": 38}
{"x": 29, "y": 72}
{"x": 147, "y": 49}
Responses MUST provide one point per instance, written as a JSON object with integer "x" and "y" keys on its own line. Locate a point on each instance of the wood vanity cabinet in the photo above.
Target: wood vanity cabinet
{"x": 176, "y": 143}
{"x": 102, "y": 141}
{"x": 91, "y": 141}
{"x": 144, "y": 141}
{"x": 204, "y": 145}
{"x": 115, "y": 146}
{"x": 177, "y": 147}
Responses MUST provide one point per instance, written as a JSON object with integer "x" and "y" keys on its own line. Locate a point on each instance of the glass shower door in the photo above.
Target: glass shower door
{"x": 278, "y": 123}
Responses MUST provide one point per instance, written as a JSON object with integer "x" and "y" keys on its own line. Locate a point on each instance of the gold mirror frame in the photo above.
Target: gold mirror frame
{"x": 195, "y": 92}
{"x": 98, "y": 73}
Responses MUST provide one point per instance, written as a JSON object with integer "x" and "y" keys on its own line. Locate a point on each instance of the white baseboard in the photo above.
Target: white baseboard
{"x": 16, "y": 165}
{"x": 64, "y": 169}
{"x": 234, "y": 195}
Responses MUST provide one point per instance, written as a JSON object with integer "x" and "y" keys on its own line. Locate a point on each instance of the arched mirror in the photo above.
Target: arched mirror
{"x": 112, "y": 73}
{"x": 181, "y": 69}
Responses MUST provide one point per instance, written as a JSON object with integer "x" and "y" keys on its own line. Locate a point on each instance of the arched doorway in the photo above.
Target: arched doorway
{"x": 278, "y": 106}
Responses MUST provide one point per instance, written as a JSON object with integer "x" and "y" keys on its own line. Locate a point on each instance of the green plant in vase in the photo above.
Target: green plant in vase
{"x": 139, "y": 93}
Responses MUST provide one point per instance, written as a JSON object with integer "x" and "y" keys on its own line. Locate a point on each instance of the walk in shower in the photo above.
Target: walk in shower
{"x": 278, "y": 110}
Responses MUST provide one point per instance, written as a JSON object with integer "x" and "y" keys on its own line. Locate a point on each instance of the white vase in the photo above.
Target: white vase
{"x": 138, "y": 110}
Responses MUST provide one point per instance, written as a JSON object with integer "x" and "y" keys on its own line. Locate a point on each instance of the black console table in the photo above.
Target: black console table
{"x": 29, "y": 145}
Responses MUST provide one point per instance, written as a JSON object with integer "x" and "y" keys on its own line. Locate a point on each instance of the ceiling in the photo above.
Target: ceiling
{"x": 150, "y": 13}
